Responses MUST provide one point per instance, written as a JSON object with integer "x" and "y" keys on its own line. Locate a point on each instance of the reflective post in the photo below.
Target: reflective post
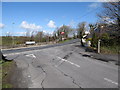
{"x": 99, "y": 46}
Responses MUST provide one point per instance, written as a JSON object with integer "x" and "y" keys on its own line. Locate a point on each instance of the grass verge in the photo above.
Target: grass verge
{"x": 5, "y": 74}
{"x": 65, "y": 41}
{"x": 110, "y": 49}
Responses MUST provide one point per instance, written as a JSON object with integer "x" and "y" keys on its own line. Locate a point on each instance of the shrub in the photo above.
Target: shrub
{"x": 89, "y": 39}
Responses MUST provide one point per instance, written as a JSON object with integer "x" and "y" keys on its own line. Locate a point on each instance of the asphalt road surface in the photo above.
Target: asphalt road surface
{"x": 61, "y": 66}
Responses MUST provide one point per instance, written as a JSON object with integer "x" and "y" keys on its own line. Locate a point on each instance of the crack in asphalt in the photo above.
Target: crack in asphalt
{"x": 73, "y": 80}
{"x": 44, "y": 77}
{"x": 39, "y": 66}
{"x": 67, "y": 56}
{"x": 27, "y": 71}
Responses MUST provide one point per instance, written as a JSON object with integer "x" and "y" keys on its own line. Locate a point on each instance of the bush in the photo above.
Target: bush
{"x": 105, "y": 39}
{"x": 94, "y": 40}
{"x": 89, "y": 39}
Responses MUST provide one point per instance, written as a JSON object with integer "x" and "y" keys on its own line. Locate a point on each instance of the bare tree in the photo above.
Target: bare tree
{"x": 32, "y": 35}
{"x": 8, "y": 34}
{"x": 66, "y": 29}
{"x": 92, "y": 28}
{"x": 39, "y": 36}
{"x": 111, "y": 12}
{"x": 27, "y": 33}
{"x": 54, "y": 35}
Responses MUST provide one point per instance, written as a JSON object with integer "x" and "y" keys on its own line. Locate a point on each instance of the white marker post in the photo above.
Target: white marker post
{"x": 99, "y": 39}
{"x": 99, "y": 46}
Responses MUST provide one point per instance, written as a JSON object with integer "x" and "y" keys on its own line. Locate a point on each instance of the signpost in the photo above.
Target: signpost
{"x": 62, "y": 33}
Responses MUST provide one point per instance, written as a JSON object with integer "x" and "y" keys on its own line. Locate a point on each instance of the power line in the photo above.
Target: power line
{"x": 89, "y": 12}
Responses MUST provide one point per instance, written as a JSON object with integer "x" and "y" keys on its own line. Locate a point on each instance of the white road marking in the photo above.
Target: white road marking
{"x": 111, "y": 81}
{"x": 31, "y": 55}
{"x": 68, "y": 61}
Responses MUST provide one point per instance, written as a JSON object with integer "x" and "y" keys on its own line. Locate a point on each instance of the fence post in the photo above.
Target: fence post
{"x": 99, "y": 46}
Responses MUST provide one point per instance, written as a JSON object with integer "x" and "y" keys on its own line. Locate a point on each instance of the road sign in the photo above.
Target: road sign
{"x": 62, "y": 33}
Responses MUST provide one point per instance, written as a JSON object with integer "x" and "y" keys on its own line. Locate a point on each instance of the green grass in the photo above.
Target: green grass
{"x": 65, "y": 41}
{"x": 110, "y": 49}
{"x": 6, "y": 85}
{"x": 5, "y": 70}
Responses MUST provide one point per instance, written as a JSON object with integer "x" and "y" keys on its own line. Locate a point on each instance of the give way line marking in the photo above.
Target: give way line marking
{"x": 31, "y": 55}
{"x": 68, "y": 61}
{"x": 111, "y": 81}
